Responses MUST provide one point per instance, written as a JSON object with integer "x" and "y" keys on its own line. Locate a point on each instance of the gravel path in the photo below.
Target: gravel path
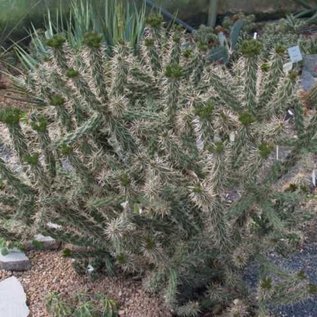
{"x": 51, "y": 272}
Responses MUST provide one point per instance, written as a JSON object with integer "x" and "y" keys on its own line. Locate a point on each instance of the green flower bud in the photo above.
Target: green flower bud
{"x": 251, "y": 48}
{"x": 10, "y": 116}
{"x": 57, "y": 41}
{"x": 246, "y": 118}
{"x": 93, "y": 39}
{"x": 174, "y": 71}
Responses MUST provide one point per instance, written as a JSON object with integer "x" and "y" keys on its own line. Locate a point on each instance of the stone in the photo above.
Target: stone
{"x": 49, "y": 243}
{"x": 309, "y": 74}
{"x": 12, "y": 299}
{"x": 41, "y": 242}
{"x": 15, "y": 260}
{"x": 52, "y": 225}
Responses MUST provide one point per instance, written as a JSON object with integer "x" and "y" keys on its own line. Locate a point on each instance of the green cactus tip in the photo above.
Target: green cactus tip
{"x": 251, "y": 48}
{"x": 65, "y": 149}
{"x": 10, "y": 116}
{"x": 280, "y": 50}
{"x": 72, "y": 73}
{"x": 246, "y": 118}
{"x": 93, "y": 39}
{"x": 293, "y": 75}
{"x": 40, "y": 125}
{"x": 154, "y": 21}
{"x": 57, "y": 100}
{"x": 204, "y": 111}
{"x": 32, "y": 159}
{"x": 265, "y": 150}
{"x": 266, "y": 283}
{"x": 57, "y": 41}
{"x": 265, "y": 67}
{"x": 188, "y": 53}
{"x": 174, "y": 71}
{"x": 149, "y": 42}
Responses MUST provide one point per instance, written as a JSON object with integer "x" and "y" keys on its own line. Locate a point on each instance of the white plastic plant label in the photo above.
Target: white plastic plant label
{"x": 232, "y": 136}
{"x": 295, "y": 54}
{"x": 287, "y": 67}
{"x": 277, "y": 153}
{"x": 255, "y": 35}
{"x": 313, "y": 178}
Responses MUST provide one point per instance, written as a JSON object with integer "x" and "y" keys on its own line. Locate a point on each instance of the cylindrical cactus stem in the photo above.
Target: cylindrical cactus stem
{"x": 11, "y": 117}
{"x": 14, "y": 181}
{"x": 8, "y": 200}
{"x": 57, "y": 43}
{"x": 251, "y": 50}
{"x": 280, "y": 101}
{"x": 312, "y": 97}
{"x": 174, "y": 73}
{"x": 120, "y": 71}
{"x": 275, "y": 72}
{"x": 197, "y": 72}
{"x": 81, "y": 170}
{"x": 58, "y": 102}
{"x": 83, "y": 90}
{"x": 299, "y": 117}
{"x": 224, "y": 92}
{"x": 96, "y": 62}
{"x": 40, "y": 126}
{"x": 176, "y": 48}
{"x": 152, "y": 55}
{"x": 9, "y": 235}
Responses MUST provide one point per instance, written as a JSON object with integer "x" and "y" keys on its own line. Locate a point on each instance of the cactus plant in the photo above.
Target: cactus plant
{"x": 136, "y": 158}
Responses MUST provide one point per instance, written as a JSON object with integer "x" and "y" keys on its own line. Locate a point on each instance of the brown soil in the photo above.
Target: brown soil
{"x": 51, "y": 272}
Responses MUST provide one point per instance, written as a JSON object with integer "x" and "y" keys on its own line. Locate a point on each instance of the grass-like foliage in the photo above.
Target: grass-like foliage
{"x": 160, "y": 165}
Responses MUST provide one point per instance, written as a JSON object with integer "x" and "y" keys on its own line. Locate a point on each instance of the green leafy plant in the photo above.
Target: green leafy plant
{"x": 139, "y": 152}
{"x": 222, "y": 41}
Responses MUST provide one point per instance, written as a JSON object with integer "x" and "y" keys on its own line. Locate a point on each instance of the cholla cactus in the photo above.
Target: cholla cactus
{"x": 136, "y": 157}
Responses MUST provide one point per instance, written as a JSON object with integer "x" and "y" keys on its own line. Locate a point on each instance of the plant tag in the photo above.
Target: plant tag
{"x": 232, "y": 137}
{"x": 221, "y": 38}
{"x": 255, "y": 35}
{"x": 287, "y": 67}
{"x": 277, "y": 153}
{"x": 313, "y": 177}
{"x": 295, "y": 54}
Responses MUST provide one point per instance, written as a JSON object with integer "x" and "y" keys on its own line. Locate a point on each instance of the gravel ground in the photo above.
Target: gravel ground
{"x": 51, "y": 272}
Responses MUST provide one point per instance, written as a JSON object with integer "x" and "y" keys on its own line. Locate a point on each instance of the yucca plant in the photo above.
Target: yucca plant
{"x": 163, "y": 166}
